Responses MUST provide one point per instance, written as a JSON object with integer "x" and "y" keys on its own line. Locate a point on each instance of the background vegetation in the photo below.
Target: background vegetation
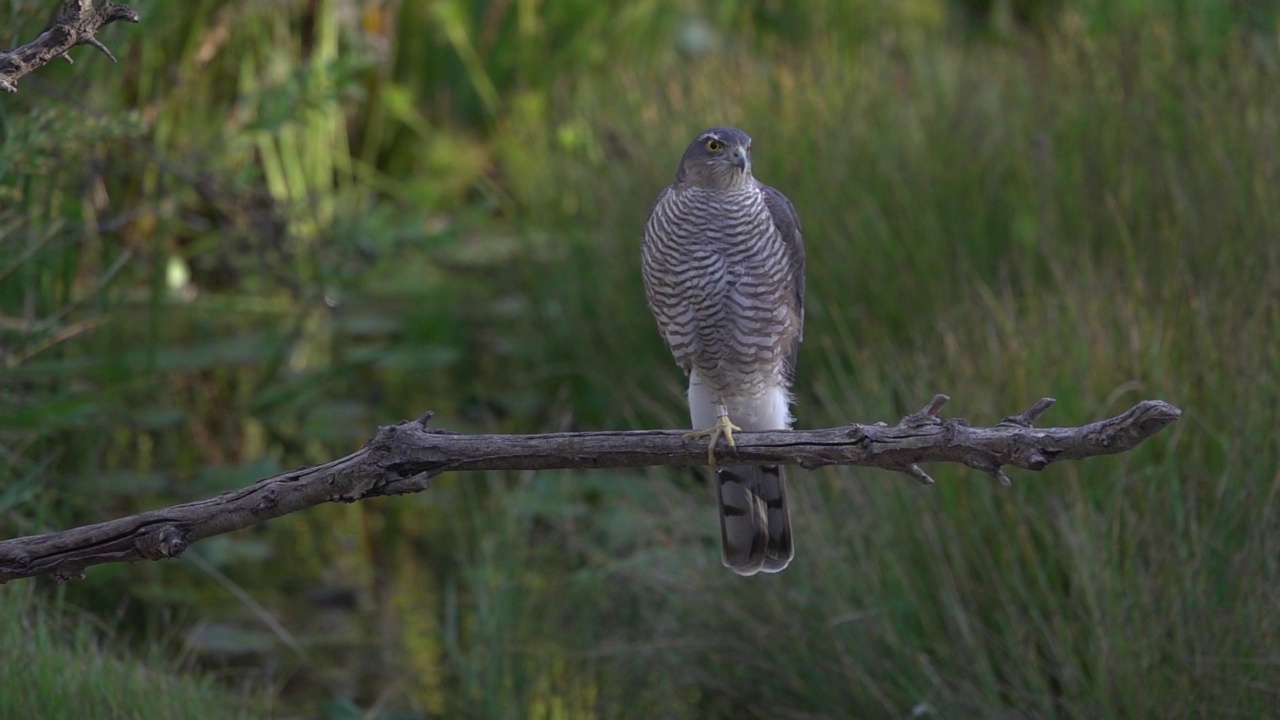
{"x": 274, "y": 226}
{"x": 55, "y": 668}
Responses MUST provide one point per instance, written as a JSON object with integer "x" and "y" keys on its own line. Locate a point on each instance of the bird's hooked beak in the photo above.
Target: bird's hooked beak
{"x": 741, "y": 159}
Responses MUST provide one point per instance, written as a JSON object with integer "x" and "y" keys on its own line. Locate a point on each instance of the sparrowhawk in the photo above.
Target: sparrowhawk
{"x": 723, "y": 267}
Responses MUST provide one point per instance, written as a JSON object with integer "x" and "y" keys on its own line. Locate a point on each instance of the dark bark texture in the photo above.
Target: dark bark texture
{"x": 78, "y": 25}
{"x": 403, "y": 458}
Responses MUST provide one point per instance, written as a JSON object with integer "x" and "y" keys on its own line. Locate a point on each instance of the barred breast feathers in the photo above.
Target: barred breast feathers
{"x": 719, "y": 279}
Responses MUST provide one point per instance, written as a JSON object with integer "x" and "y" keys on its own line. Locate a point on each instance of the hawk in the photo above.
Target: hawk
{"x": 723, "y": 266}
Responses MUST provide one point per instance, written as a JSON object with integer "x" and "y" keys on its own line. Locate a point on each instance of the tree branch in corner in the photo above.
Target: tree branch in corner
{"x": 403, "y": 458}
{"x": 78, "y": 25}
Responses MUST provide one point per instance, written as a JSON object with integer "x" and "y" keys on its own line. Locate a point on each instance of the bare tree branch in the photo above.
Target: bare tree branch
{"x": 79, "y": 23}
{"x": 403, "y": 458}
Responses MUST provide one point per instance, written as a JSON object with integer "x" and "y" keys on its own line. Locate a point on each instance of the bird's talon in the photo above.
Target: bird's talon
{"x": 723, "y": 428}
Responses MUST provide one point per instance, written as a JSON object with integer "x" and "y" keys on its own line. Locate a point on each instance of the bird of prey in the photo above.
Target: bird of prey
{"x": 723, "y": 267}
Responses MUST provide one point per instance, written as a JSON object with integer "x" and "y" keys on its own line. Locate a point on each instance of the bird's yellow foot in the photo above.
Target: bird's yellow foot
{"x": 723, "y": 428}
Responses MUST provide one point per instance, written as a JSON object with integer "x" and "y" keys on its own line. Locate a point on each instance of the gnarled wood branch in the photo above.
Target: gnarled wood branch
{"x": 78, "y": 25}
{"x": 403, "y": 458}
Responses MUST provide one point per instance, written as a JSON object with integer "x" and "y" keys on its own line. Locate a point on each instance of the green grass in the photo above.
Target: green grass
{"x": 291, "y": 238}
{"x": 994, "y": 223}
{"x": 53, "y": 666}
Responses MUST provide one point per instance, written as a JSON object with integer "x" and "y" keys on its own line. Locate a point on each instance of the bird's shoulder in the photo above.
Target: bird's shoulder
{"x": 787, "y": 222}
{"x": 663, "y": 195}
{"x": 781, "y": 210}
{"x": 785, "y": 219}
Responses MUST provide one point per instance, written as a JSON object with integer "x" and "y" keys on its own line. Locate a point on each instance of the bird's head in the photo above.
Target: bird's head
{"x": 719, "y": 158}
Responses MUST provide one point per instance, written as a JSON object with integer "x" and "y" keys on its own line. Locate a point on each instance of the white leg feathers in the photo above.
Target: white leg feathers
{"x": 755, "y": 524}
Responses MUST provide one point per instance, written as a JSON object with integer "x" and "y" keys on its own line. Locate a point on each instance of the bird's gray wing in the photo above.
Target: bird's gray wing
{"x": 788, "y": 224}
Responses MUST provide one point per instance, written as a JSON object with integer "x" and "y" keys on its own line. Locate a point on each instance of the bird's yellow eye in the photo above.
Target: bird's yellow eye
{"x": 714, "y": 146}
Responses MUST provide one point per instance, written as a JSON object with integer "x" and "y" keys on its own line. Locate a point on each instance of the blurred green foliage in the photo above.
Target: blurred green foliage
{"x": 273, "y": 227}
{"x": 55, "y": 666}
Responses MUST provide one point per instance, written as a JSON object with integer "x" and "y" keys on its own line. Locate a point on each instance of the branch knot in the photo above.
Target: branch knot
{"x": 159, "y": 542}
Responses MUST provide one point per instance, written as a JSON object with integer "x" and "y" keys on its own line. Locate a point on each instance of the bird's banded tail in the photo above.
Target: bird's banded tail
{"x": 755, "y": 524}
